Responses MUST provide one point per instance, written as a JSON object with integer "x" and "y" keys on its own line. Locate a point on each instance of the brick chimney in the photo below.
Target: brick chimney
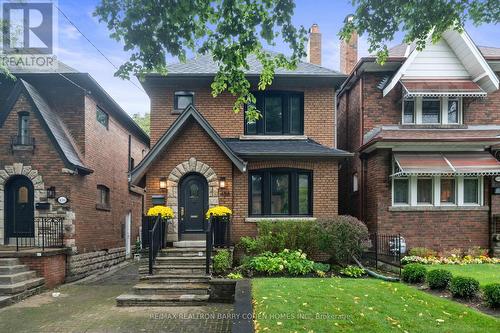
{"x": 348, "y": 51}
{"x": 314, "y": 45}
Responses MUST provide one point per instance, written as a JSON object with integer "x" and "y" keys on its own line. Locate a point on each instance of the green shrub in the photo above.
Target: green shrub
{"x": 234, "y": 276}
{"x": 492, "y": 295}
{"x": 342, "y": 237}
{"x": 222, "y": 261}
{"x": 438, "y": 278}
{"x": 285, "y": 262}
{"x": 249, "y": 245}
{"x": 422, "y": 252}
{"x": 414, "y": 273}
{"x": 352, "y": 271}
{"x": 321, "y": 267}
{"x": 464, "y": 286}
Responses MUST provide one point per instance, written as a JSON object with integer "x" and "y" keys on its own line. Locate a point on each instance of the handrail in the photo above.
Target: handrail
{"x": 209, "y": 243}
{"x": 47, "y": 232}
{"x": 156, "y": 241}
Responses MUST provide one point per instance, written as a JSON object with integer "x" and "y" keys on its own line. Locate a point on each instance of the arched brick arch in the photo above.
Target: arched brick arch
{"x": 192, "y": 165}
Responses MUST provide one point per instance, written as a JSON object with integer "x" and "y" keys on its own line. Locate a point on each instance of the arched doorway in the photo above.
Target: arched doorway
{"x": 193, "y": 203}
{"x": 19, "y": 208}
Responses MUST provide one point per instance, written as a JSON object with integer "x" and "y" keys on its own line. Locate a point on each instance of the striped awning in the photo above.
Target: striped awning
{"x": 441, "y": 88}
{"x": 450, "y": 164}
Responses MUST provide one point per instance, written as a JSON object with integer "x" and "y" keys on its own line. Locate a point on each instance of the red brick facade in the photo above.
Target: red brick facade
{"x": 51, "y": 267}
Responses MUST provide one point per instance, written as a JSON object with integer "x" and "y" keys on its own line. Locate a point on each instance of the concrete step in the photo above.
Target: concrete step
{"x": 185, "y": 260}
{"x": 6, "y": 270}
{"x": 17, "y": 277}
{"x": 175, "y": 278}
{"x": 9, "y": 261}
{"x": 15, "y": 288}
{"x": 11, "y": 299}
{"x": 190, "y": 244}
{"x": 171, "y": 289}
{"x": 179, "y": 269}
{"x": 182, "y": 252}
{"x": 161, "y": 300}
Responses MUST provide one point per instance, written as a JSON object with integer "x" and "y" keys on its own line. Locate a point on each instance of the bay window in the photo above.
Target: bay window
{"x": 432, "y": 110}
{"x": 275, "y": 192}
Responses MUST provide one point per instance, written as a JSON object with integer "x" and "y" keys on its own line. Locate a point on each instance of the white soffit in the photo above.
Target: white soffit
{"x": 455, "y": 56}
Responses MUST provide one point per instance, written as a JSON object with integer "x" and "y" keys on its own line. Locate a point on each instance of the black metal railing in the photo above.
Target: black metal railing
{"x": 385, "y": 249}
{"x": 156, "y": 240}
{"x": 47, "y": 233}
{"x": 209, "y": 233}
{"x": 22, "y": 140}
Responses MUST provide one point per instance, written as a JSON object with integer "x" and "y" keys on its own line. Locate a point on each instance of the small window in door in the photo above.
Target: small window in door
{"x": 22, "y": 195}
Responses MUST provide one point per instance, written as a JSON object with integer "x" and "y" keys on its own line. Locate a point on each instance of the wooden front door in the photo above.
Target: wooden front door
{"x": 193, "y": 203}
{"x": 19, "y": 206}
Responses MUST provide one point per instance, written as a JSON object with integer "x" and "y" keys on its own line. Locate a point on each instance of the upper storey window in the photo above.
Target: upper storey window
{"x": 182, "y": 99}
{"x": 282, "y": 114}
{"x": 432, "y": 110}
{"x": 102, "y": 117}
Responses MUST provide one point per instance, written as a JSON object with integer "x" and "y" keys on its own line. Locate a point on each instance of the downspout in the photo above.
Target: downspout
{"x": 361, "y": 134}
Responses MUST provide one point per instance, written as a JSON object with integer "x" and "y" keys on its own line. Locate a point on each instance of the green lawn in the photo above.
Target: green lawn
{"x": 358, "y": 305}
{"x": 484, "y": 273}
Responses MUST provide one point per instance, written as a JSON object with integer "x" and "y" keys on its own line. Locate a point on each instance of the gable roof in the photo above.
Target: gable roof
{"x": 55, "y": 128}
{"x": 469, "y": 61}
{"x": 400, "y": 50}
{"x": 189, "y": 113}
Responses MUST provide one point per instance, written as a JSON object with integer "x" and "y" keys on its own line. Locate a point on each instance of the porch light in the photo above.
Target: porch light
{"x": 51, "y": 192}
{"x": 222, "y": 182}
{"x": 163, "y": 183}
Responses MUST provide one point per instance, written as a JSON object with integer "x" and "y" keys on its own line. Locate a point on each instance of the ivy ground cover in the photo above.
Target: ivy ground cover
{"x": 358, "y": 305}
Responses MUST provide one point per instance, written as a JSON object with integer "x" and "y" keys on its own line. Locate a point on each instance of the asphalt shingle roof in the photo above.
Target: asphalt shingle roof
{"x": 282, "y": 148}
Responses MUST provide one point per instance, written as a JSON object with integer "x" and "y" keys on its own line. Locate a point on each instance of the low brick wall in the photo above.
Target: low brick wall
{"x": 82, "y": 265}
{"x": 51, "y": 267}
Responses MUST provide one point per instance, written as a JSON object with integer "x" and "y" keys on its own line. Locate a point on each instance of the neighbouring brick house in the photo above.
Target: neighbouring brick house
{"x": 65, "y": 151}
{"x": 283, "y": 166}
{"x": 425, "y": 130}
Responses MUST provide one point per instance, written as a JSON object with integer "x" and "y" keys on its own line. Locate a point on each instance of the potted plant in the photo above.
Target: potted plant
{"x": 166, "y": 213}
{"x": 222, "y": 216}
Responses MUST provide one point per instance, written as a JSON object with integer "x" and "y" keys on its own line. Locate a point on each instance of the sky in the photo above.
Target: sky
{"x": 74, "y": 50}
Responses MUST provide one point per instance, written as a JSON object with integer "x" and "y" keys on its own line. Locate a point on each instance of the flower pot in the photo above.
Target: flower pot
{"x": 220, "y": 230}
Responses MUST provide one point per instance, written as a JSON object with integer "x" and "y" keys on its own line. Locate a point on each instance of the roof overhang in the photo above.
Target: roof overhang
{"x": 441, "y": 88}
{"x": 461, "y": 144}
{"x": 189, "y": 113}
{"x": 446, "y": 164}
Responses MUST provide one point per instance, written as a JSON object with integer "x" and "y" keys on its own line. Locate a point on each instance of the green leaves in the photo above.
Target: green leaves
{"x": 417, "y": 19}
{"x": 229, "y": 30}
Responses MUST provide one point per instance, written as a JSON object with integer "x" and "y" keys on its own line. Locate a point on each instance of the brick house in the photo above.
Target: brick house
{"x": 65, "y": 150}
{"x": 283, "y": 166}
{"x": 424, "y": 128}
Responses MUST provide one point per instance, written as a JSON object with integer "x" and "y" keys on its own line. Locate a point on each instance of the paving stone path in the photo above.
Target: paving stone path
{"x": 90, "y": 307}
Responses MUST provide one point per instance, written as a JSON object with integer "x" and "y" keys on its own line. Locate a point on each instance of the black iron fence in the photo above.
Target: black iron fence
{"x": 47, "y": 233}
{"x": 386, "y": 249}
{"x": 209, "y": 233}
{"x": 22, "y": 140}
{"x": 154, "y": 230}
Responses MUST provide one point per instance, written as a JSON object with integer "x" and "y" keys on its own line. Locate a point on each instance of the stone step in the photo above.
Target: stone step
{"x": 174, "y": 278}
{"x": 186, "y": 260}
{"x": 9, "y": 262}
{"x": 161, "y": 300}
{"x": 15, "y": 288}
{"x": 182, "y": 252}
{"x": 17, "y": 277}
{"x": 190, "y": 244}
{"x": 5, "y": 270}
{"x": 179, "y": 269}
{"x": 171, "y": 289}
{"x": 11, "y": 299}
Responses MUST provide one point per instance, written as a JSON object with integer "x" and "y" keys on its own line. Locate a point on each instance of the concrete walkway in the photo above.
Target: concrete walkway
{"x": 89, "y": 306}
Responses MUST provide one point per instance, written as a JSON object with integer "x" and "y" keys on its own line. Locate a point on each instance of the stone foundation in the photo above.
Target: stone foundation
{"x": 82, "y": 265}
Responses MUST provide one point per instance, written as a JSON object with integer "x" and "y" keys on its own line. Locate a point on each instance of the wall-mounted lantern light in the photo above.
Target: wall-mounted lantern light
{"x": 222, "y": 182}
{"x": 51, "y": 192}
{"x": 163, "y": 183}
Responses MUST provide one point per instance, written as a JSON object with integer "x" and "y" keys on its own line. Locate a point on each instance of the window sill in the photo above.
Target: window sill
{"x": 284, "y": 218}
{"x": 436, "y": 208}
{"x": 175, "y": 111}
{"x": 102, "y": 207}
{"x": 273, "y": 137}
{"x": 432, "y": 126}
{"x": 23, "y": 147}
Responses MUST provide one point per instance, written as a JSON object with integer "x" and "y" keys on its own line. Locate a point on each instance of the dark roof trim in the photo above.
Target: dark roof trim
{"x": 406, "y": 140}
{"x": 332, "y": 155}
{"x": 172, "y": 132}
{"x": 11, "y": 101}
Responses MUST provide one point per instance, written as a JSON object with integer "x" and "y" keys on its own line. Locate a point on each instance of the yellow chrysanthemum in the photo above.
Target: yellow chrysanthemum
{"x": 164, "y": 211}
{"x": 219, "y": 211}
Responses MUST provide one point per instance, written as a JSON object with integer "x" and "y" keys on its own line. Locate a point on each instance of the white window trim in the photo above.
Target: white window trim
{"x": 417, "y": 117}
{"x": 436, "y": 199}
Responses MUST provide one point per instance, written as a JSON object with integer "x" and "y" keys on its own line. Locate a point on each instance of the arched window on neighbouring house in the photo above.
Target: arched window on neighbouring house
{"x": 103, "y": 198}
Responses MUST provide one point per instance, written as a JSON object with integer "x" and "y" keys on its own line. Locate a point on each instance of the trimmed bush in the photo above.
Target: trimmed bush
{"x": 285, "y": 262}
{"x": 422, "y": 252}
{"x": 342, "y": 237}
{"x": 464, "y": 287}
{"x": 491, "y": 294}
{"x": 222, "y": 261}
{"x": 353, "y": 271}
{"x": 439, "y": 278}
{"x": 414, "y": 273}
{"x": 321, "y": 267}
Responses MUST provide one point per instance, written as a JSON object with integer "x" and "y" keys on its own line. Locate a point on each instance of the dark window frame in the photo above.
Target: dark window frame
{"x": 293, "y": 191}
{"x": 101, "y": 110}
{"x": 23, "y": 139}
{"x": 182, "y": 93}
{"x": 100, "y": 205}
{"x": 286, "y": 97}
